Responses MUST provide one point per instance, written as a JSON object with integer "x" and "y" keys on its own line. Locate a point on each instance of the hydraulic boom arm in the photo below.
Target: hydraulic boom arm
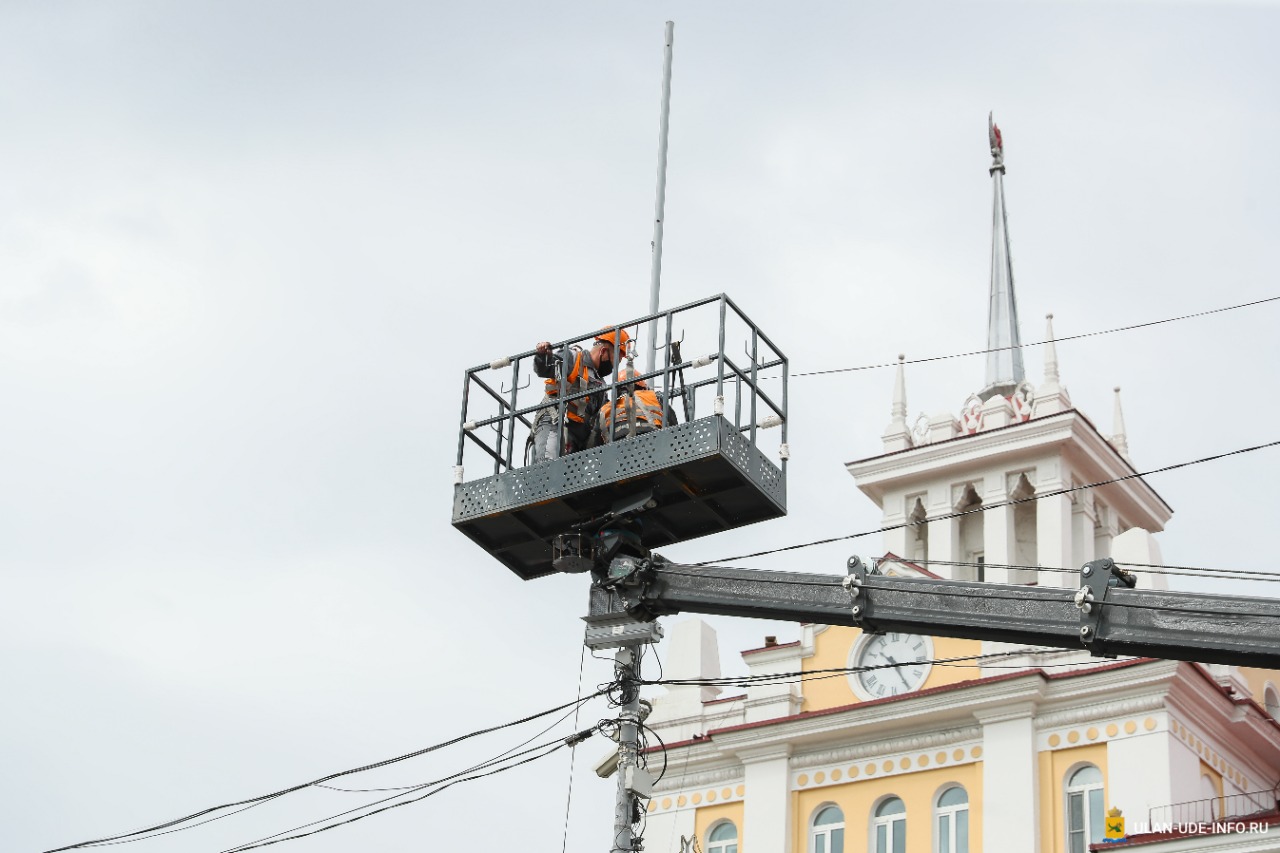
{"x": 1105, "y": 615}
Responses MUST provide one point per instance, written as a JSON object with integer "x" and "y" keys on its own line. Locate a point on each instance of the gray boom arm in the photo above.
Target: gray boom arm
{"x": 1105, "y": 614}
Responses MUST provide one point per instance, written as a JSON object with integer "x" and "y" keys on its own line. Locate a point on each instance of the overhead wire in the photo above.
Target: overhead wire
{"x": 573, "y": 753}
{"x": 154, "y": 830}
{"x": 1079, "y": 336}
{"x": 997, "y": 505}
{"x": 449, "y": 782}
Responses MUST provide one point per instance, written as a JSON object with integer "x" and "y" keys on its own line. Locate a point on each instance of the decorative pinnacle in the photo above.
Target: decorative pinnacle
{"x": 899, "y": 411}
{"x": 1050, "y": 352}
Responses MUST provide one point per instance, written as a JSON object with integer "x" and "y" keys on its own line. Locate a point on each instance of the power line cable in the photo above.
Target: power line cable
{"x": 984, "y": 508}
{"x": 1093, "y": 334}
{"x": 270, "y": 840}
{"x": 284, "y": 791}
{"x": 573, "y": 753}
{"x": 419, "y": 785}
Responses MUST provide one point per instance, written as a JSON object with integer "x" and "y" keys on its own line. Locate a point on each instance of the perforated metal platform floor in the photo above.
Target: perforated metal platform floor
{"x": 705, "y": 475}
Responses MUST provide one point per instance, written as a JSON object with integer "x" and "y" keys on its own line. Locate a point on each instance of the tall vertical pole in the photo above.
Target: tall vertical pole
{"x": 660, "y": 207}
{"x": 626, "y": 664}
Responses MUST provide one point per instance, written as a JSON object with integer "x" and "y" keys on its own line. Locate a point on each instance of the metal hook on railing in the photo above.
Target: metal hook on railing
{"x": 746, "y": 351}
{"x": 527, "y": 383}
{"x": 658, "y": 346}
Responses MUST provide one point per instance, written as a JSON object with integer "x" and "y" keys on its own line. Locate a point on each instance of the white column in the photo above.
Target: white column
{"x": 895, "y": 512}
{"x": 1010, "y": 779}
{"x": 1053, "y": 522}
{"x": 997, "y": 528}
{"x": 944, "y": 534}
{"x": 1082, "y": 515}
{"x": 766, "y": 808}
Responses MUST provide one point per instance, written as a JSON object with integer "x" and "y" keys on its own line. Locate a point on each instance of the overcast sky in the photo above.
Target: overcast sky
{"x": 247, "y": 250}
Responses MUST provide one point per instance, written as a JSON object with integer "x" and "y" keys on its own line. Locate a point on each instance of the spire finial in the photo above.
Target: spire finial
{"x": 899, "y": 410}
{"x": 1050, "y": 352}
{"x": 897, "y": 435}
{"x": 1119, "y": 440}
{"x": 1004, "y": 343}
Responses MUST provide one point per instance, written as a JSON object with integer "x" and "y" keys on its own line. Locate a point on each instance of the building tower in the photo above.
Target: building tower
{"x": 914, "y": 750}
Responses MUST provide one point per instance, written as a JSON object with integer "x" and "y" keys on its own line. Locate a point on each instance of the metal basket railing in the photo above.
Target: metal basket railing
{"x": 493, "y": 419}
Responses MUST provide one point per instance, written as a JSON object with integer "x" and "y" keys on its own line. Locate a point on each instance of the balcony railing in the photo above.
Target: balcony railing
{"x": 1214, "y": 809}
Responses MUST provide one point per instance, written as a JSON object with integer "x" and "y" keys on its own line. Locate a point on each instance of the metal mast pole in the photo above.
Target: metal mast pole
{"x": 626, "y": 662}
{"x": 660, "y": 208}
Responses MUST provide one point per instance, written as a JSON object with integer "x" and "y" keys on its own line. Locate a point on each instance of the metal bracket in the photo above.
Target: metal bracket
{"x": 1097, "y": 577}
{"x": 860, "y": 601}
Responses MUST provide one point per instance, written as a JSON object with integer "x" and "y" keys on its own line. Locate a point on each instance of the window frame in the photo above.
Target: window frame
{"x": 825, "y": 830}
{"x": 720, "y": 845}
{"x": 888, "y": 822}
{"x": 958, "y": 844}
{"x": 1083, "y": 790}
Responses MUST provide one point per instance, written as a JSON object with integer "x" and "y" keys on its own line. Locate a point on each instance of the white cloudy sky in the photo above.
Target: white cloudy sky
{"x": 247, "y": 250}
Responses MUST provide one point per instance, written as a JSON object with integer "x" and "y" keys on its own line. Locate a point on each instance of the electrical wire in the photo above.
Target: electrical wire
{"x": 984, "y": 508}
{"x": 1094, "y": 334}
{"x": 252, "y": 801}
{"x": 573, "y": 753}
{"x": 449, "y": 783}
{"x": 419, "y": 785}
{"x": 835, "y": 672}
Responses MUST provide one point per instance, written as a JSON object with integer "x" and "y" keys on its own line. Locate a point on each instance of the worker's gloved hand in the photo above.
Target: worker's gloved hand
{"x": 543, "y": 347}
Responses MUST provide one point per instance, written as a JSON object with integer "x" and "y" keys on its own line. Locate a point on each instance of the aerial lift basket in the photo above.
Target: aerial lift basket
{"x": 722, "y": 466}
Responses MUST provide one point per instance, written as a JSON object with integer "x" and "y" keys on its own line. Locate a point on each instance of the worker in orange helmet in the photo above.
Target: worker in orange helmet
{"x": 640, "y": 409}
{"x": 582, "y": 370}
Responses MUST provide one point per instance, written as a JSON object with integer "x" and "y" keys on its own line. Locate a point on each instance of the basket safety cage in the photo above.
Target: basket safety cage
{"x": 717, "y": 462}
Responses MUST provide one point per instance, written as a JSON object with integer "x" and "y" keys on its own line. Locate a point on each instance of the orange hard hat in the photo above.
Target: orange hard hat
{"x": 607, "y": 337}
{"x": 626, "y": 374}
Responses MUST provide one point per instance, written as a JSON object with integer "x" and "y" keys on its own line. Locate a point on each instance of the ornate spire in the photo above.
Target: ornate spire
{"x": 1051, "y": 397}
{"x": 1119, "y": 440}
{"x": 1004, "y": 365}
{"x": 897, "y": 435}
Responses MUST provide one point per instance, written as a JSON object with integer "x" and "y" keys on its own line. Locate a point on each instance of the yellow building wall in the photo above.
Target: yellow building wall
{"x": 1215, "y": 777}
{"x": 706, "y": 816}
{"x": 1053, "y": 805}
{"x": 831, "y": 651}
{"x": 918, "y": 792}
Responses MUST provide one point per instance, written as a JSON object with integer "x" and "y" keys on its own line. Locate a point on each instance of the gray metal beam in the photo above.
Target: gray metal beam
{"x": 1173, "y": 625}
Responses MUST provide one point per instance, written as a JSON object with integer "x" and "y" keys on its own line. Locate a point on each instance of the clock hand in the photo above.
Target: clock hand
{"x": 898, "y": 671}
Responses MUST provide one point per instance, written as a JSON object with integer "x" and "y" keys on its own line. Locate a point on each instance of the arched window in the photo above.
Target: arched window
{"x": 723, "y": 838}
{"x": 1271, "y": 699}
{"x": 951, "y": 821}
{"x": 890, "y": 826}
{"x": 827, "y": 835}
{"x": 1084, "y": 809}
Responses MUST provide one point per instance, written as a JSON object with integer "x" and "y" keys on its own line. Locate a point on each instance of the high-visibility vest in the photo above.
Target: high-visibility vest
{"x": 648, "y": 411}
{"x": 578, "y": 379}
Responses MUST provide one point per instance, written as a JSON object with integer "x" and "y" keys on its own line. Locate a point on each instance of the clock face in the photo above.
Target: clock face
{"x": 904, "y": 661}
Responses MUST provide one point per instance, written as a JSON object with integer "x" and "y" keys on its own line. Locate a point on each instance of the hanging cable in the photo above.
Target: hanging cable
{"x": 252, "y": 801}
{"x": 1039, "y": 343}
{"x": 270, "y": 840}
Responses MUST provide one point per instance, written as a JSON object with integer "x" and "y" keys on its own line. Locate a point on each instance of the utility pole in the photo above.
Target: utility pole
{"x": 620, "y": 631}
{"x": 661, "y": 204}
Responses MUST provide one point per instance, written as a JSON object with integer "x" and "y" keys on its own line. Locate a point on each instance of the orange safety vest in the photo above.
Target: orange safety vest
{"x": 648, "y": 411}
{"x": 579, "y": 375}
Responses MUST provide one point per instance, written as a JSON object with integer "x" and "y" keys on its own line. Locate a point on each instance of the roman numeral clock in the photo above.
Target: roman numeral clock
{"x": 889, "y": 664}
